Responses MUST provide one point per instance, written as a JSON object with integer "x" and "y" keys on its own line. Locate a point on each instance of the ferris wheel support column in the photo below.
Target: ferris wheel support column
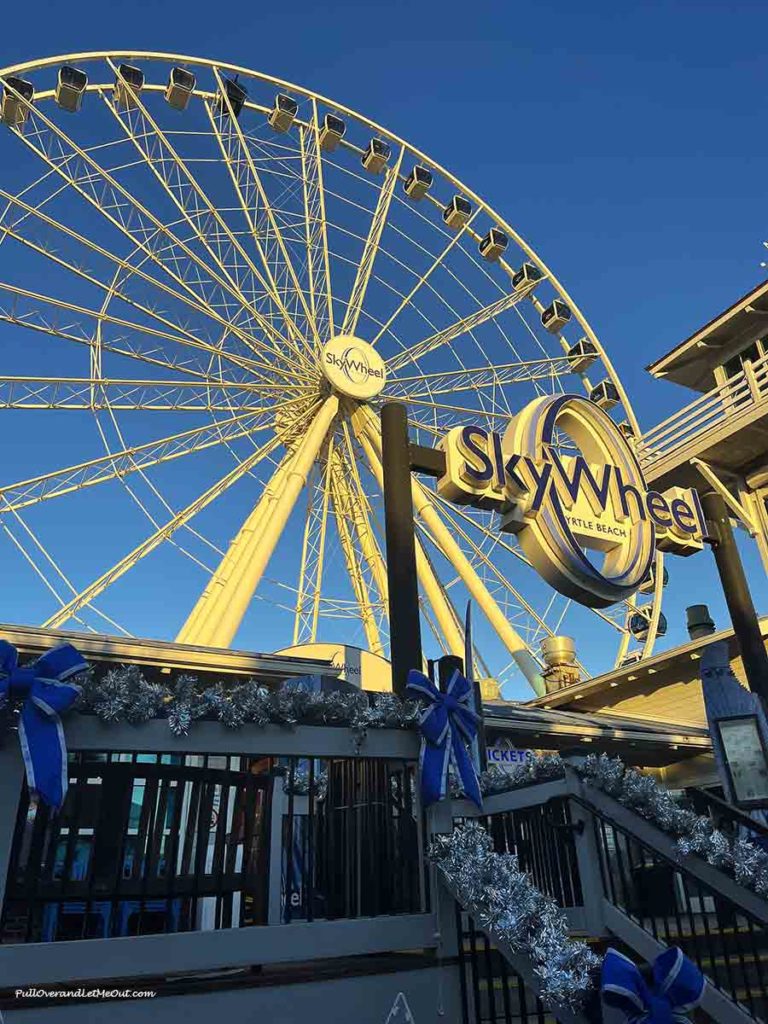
{"x": 198, "y": 624}
{"x": 446, "y": 620}
{"x": 446, "y": 542}
{"x": 230, "y": 601}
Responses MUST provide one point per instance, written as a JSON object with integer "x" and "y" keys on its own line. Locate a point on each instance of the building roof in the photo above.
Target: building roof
{"x": 594, "y": 691}
{"x": 165, "y": 655}
{"x": 692, "y": 362}
{"x": 650, "y": 744}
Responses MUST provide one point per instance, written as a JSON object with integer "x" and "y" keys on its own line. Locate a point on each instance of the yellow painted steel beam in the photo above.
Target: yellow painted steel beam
{"x": 232, "y": 593}
{"x": 448, "y": 545}
{"x": 151, "y": 226}
{"x": 371, "y": 247}
{"x": 119, "y": 464}
{"x": 433, "y": 591}
{"x": 285, "y": 257}
{"x": 155, "y": 539}
{"x": 344, "y": 520}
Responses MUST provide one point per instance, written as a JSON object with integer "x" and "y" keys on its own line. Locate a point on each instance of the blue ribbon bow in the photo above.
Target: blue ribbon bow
{"x": 678, "y": 986}
{"x": 448, "y": 724}
{"x": 42, "y": 688}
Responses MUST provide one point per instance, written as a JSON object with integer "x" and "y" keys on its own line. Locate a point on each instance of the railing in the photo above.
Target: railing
{"x": 733, "y": 401}
{"x": 726, "y": 817}
{"x": 174, "y": 843}
{"x": 492, "y": 991}
{"x": 543, "y": 838}
{"x": 216, "y": 851}
{"x": 619, "y": 880}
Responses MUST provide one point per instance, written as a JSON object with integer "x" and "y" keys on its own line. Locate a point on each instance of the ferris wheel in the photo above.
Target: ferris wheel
{"x": 210, "y": 281}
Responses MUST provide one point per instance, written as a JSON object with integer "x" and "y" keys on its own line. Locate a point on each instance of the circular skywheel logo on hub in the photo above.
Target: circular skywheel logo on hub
{"x": 354, "y": 367}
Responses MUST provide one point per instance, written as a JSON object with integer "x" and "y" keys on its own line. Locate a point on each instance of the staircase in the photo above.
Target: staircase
{"x": 620, "y": 883}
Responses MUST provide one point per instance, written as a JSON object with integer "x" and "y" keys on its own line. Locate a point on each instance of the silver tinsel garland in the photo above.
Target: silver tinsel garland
{"x": 504, "y": 902}
{"x": 695, "y": 834}
{"x": 123, "y": 694}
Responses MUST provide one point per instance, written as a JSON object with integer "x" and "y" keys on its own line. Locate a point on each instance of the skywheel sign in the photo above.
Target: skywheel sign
{"x": 564, "y": 507}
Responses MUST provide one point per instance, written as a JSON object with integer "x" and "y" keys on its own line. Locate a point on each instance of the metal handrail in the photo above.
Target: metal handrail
{"x": 732, "y": 398}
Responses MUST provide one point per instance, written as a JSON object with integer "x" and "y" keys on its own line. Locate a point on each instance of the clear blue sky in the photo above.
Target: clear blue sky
{"x": 625, "y": 142}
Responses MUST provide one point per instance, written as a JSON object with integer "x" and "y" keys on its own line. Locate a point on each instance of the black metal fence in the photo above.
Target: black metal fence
{"x": 168, "y": 842}
{"x": 729, "y": 945}
{"x": 352, "y": 846}
{"x": 492, "y": 992}
{"x": 543, "y": 839}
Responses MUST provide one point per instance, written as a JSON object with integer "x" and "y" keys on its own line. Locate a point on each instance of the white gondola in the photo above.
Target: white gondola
{"x": 236, "y": 94}
{"x": 129, "y": 82}
{"x": 526, "y": 277}
{"x": 181, "y": 85}
{"x": 375, "y": 158}
{"x": 627, "y": 430}
{"x": 70, "y": 88}
{"x": 640, "y": 625}
{"x": 13, "y": 110}
{"x": 457, "y": 213}
{"x": 332, "y": 132}
{"x": 649, "y": 583}
{"x": 555, "y": 316}
{"x": 493, "y": 245}
{"x": 630, "y": 659}
{"x": 418, "y": 182}
{"x": 581, "y": 355}
{"x": 283, "y": 114}
{"x": 605, "y": 395}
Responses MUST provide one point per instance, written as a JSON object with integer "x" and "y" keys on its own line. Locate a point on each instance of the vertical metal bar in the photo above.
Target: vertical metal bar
{"x": 462, "y": 967}
{"x": 737, "y": 594}
{"x": 309, "y": 873}
{"x": 288, "y": 843}
{"x": 404, "y": 615}
{"x": 490, "y": 979}
{"x": 172, "y": 848}
{"x": 475, "y": 974}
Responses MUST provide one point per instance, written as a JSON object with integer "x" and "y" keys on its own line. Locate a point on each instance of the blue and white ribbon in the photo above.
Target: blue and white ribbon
{"x": 44, "y": 693}
{"x": 448, "y": 725}
{"x": 678, "y": 986}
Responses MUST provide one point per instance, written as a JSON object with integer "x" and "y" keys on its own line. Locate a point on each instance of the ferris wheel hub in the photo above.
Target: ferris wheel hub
{"x": 353, "y": 367}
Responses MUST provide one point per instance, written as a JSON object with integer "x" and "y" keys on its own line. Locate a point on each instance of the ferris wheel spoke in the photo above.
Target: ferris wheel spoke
{"x": 57, "y": 393}
{"x": 33, "y": 561}
{"x": 371, "y": 247}
{"x": 119, "y": 464}
{"x": 344, "y": 514}
{"x": 252, "y": 193}
{"x": 456, "y": 330}
{"x": 60, "y": 324}
{"x": 185, "y": 192}
{"x": 161, "y": 534}
{"x": 479, "y": 378}
{"x": 439, "y": 261}
{"x": 128, "y": 270}
{"x": 318, "y": 256}
{"x": 307, "y": 611}
{"x": 101, "y": 190}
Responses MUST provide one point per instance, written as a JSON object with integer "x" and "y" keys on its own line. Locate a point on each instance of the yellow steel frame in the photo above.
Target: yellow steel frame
{"x": 248, "y": 285}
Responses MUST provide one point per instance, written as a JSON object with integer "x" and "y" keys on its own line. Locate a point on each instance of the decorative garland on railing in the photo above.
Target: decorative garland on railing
{"x": 124, "y": 695}
{"x": 695, "y": 833}
{"x": 505, "y": 903}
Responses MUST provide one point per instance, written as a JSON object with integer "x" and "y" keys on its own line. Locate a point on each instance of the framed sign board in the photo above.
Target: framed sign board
{"x": 739, "y": 730}
{"x": 746, "y": 759}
